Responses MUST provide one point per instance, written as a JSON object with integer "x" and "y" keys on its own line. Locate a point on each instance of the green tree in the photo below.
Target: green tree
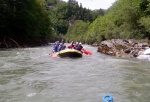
{"x": 120, "y": 22}
{"x": 25, "y": 21}
{"x": 77, "y": 31}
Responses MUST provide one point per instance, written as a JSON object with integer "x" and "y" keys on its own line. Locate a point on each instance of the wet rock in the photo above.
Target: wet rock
{"x": 122, "y": 48}
{"x": 127, "y": 50}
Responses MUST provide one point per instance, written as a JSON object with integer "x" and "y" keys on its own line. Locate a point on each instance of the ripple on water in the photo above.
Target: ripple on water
{"x": 31, "y": 94}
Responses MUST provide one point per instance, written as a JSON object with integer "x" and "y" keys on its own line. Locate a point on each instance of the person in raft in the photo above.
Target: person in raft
{"x": 71, "y": 45}
{"x": 82, "y": 50}
{"x": 75, "y": 45}
{"x": 55, "y": 48}
{"x": 79, "y": 47}
{"x": 61, "y": 46}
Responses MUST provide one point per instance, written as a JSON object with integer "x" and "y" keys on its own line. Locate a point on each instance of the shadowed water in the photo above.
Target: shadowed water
{"x": 30, "y": 75}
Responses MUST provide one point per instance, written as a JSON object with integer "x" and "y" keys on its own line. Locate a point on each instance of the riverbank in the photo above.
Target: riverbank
{"x": 115, "y": 47}
{"x": 11, "y": 43}
{"x": 123, "y": 48}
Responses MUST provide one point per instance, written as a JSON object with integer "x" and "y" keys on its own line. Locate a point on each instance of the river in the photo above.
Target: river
{"x": 30, "y": 75}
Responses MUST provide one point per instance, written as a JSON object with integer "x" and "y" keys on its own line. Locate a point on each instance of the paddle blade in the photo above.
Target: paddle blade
{"x": 86, "y": 52}
{"x": 53, "y": 55}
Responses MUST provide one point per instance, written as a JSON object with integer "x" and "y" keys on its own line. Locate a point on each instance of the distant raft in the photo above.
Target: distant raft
{"x": 68, "y": 53}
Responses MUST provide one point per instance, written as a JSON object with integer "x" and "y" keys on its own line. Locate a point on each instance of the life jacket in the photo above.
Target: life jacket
{"x": 56, "y": 47}
{"x": 71, "y": 46}
{"x": 61, "y": 47}
{"x": 79, "y": 48}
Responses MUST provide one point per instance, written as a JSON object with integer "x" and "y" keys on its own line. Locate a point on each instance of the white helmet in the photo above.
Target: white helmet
{"x": 80, "y": 43}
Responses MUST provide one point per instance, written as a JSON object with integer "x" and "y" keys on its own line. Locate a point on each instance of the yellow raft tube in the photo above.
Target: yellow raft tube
{"x": 68, "y": 53}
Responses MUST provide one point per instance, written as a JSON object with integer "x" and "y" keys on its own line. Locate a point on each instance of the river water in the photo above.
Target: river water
{"x": 30, "y": 75}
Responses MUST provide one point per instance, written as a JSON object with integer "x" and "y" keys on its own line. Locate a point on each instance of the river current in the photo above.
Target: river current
{"x": 30, "y": 75}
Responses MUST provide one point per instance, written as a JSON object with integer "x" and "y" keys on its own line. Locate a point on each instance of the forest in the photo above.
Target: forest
{"x": 37, "y": 22}
{"x": 125, "y": 19}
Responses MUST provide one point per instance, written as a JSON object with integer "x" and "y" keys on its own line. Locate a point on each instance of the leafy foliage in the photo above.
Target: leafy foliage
{"x": 77, "y": 31}
{"x": 26, "y": 21}
{"x": 120, "y": 22}
{"x": 35, "y": 21}
{"x": 64, "y": 14}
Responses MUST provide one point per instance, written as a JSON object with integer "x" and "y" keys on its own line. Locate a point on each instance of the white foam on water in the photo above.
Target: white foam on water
{"x": 8, "y": 65}
{"x": 31, "y": 94}
{"x": 144, "y": 57}
{"x": 147, "y": 52}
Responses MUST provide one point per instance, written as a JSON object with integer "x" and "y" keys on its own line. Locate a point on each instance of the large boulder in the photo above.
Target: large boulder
{"x": 122, "y": 48}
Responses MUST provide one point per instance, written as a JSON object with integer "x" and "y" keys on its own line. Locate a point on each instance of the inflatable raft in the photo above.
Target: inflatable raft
{"x": 68, "y": 53}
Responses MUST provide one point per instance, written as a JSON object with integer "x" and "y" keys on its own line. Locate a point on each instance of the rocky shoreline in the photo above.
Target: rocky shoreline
{"x": 125, "y": 48}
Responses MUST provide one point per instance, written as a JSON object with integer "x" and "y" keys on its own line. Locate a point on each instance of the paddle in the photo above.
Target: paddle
{"x": 51, "y": 54}
{"x": 54, "y": 55}
{"x": 86, "y": 52}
